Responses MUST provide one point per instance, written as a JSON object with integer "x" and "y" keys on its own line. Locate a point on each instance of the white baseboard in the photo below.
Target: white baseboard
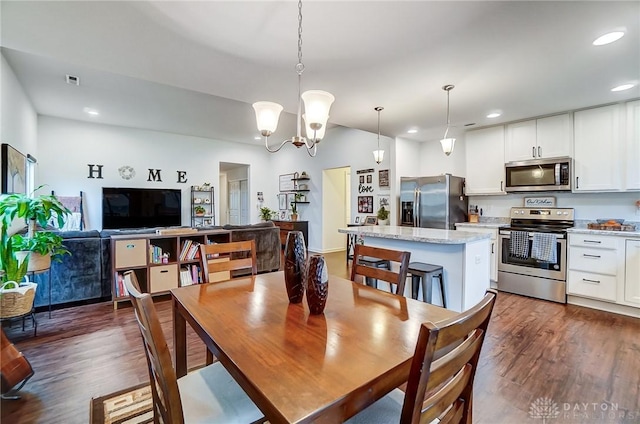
{"x": 604, "y": 306}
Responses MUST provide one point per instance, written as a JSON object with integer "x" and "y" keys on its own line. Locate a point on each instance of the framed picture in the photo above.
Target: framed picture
{"x": 357, "y": 220}
{"x": 371, "y": 220}
{"x": 384, "y": 200}
{"x": 14, "y": 170}
{"x": 291, "y": 197}
{"x": 286, "y": 182}
{"x": 283, "y": 215}
{"x": 383, "y": 178}
{"x": 282, "y": 201}
{"x": 361, "y": 179}
{"x": 365, "y": 204}
{"x": 369, "y": 179}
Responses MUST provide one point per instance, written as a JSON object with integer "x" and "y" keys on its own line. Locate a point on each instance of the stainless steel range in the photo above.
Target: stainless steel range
{"x": 533, "y": 258}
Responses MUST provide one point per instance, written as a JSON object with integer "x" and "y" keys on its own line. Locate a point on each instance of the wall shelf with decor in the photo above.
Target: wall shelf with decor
{"x": 202, "y": 207}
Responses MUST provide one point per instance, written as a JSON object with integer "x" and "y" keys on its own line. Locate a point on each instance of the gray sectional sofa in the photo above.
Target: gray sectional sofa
{"x": 85, "y": 276}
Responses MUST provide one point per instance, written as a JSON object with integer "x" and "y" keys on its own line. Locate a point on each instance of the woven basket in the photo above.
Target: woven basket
{"x": 13, "y": 303}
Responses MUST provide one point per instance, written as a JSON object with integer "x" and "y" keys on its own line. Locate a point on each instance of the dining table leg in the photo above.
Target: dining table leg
{"x": 179, "y": 341}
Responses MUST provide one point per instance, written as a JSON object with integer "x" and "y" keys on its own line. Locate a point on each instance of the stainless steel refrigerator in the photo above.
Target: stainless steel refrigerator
{"x": 432, "y": 202}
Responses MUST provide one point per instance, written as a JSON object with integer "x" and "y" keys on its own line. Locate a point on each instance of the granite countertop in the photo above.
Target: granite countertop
{"x": 493, "y": 225}
{"x": 422, "y": 235}
{"x": 579, "y": 229}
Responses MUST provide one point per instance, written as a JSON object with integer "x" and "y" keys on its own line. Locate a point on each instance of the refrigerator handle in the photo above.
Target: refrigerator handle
{"x": 416, "y": 208}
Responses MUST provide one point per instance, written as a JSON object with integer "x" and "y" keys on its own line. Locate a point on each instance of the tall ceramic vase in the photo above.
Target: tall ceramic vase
{"x": 295, "y": 255}
{"x": 317, "y": 284}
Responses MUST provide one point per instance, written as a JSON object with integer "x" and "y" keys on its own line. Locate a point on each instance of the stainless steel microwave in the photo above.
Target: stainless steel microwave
{"x": 539, "y": 175}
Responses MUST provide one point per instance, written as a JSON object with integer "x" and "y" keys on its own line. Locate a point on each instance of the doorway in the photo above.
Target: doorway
{"x": 234, "y": 193}
{"x": 336, "y": 207}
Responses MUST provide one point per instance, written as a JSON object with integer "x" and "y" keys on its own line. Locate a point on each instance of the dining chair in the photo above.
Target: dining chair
{"x": 207, "y": 395}
{"x": 440, "y": 384}
{"x": 220, "y": 260}
{"x": 367, "y": 258}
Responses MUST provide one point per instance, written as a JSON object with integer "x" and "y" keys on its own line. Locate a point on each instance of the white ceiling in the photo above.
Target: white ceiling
{"x": 195, "y": 67}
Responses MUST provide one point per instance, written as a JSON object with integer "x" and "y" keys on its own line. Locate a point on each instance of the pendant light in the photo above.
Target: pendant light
{"x": 316, "y": 106}
{"x": 378, "y": 155}
{"x": 447, "y": 143}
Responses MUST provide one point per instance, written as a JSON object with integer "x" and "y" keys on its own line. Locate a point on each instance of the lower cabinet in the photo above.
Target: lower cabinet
{"x": 604, "y": 268}
{"x": 493, "y": 246}
{"x": 632, "y": 273}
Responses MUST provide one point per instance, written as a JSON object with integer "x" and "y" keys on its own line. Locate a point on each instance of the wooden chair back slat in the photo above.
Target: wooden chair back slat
{"x": 164, "y": 383}
{"x": 227, "y": 257}
{"x": 395, "y": 256}
{"x": 441, "y": 387}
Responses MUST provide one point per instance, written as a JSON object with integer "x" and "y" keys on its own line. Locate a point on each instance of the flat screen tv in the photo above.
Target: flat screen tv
{"x": 141, "y": 207}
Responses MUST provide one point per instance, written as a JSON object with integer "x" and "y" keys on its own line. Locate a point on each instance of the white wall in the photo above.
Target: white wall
{"x": 67, "y": 147}
{"x": 341, "y": 147}
{"x": 18, "y": 118}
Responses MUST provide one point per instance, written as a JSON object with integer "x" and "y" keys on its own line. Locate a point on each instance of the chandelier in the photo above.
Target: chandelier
{"x": 316, "y": 107}
{"x": 378, "y": 155}
{"x": 447, "y": 143}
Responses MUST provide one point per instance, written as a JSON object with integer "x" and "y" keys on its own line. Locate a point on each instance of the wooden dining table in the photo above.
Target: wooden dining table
{"x": 298, "y": 367}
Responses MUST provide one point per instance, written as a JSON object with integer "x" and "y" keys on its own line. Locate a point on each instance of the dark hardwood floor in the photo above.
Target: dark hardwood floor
{"x": 586, "y": 362}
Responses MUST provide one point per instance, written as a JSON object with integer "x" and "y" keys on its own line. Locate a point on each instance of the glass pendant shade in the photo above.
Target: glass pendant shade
{"x": 267, "y": 116}
{"x": 447, "y": 145}
{"x": 378, "y": 155}
{"x": 311, "y": 135}
{"x": 316, "y": 107}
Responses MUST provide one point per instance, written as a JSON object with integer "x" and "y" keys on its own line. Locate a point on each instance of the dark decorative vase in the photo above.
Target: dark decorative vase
{"x": 295, "y": 255}
{"x": 317, "y": 284}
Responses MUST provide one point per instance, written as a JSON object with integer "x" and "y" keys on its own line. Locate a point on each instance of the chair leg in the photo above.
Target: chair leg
{"x": 429, "y": 283}
{"x": 415, "y": 282}
{"x": 444, "y": 297}
{"x": 209, "y": 359}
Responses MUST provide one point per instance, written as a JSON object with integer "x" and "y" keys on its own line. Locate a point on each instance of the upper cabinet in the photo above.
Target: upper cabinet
{"x": 598, "y": 148}
{"x": 542, "y": 138}
{"x": 633, "y": 145}
{"x": 485, "y": 161}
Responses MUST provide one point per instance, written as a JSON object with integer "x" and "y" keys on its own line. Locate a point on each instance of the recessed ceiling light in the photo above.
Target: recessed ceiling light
{"x": 90, "y": 111}
{"x": 623, "y": 87}
{"x": 412, "y": 131}
{"x": 608, "y": 38}
{"x": 493, "y": 115}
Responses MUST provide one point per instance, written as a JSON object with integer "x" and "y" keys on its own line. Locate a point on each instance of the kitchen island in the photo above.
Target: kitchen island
{"x": 463, "y": 255}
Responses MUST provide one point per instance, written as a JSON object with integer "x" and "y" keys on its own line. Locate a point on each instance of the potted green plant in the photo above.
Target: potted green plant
{"x": 383, "y": 216}
{"x": 266, "y": 213}
{"x": 199, "y": 210}
{"x": 42, "y": 248}
{"x": 41, "y": 210}
{"x": 294, "y": 211}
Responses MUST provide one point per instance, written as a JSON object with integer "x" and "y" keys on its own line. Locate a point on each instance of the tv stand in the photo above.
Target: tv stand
{"x": 160, "y": 261}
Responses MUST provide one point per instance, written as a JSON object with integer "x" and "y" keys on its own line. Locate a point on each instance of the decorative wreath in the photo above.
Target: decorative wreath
{"x": 127, "y": 172}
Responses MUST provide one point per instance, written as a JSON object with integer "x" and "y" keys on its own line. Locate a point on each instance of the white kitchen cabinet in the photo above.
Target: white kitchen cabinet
{"x": 542, "y": 138}
{"x": 633, "y": 145}
{"x": 632, "y": 273}
{"x": 485, "y": 161}
{"x": 598, "y": 149}
{"x": 493, "y": 246}
{"x": 594, "y": 266}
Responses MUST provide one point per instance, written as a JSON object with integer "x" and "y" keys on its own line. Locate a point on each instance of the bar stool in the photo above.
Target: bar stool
{"x": 374, "y": 263}
{"x": 426, "y": 273}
